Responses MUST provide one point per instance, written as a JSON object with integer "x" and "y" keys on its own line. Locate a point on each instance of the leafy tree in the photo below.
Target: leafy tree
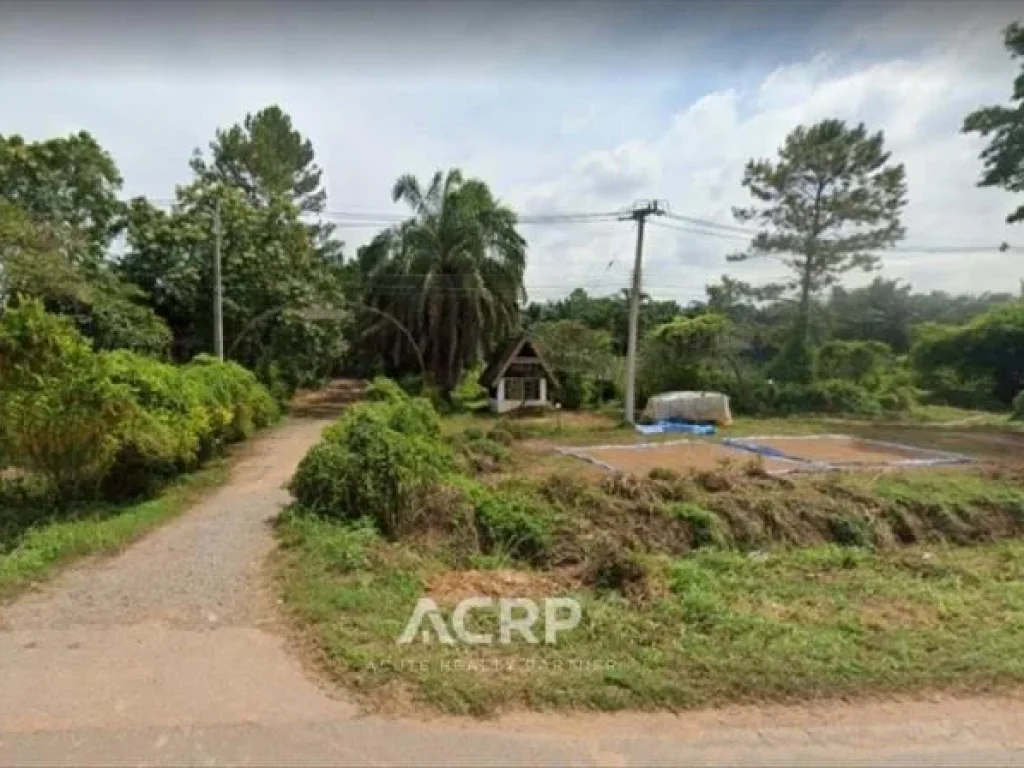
{"x": 272, "y": 278}
{"x": 606, "y": 313}
{"x": 988, "y": 349}
{"x": 35, "y": 264}
{"x": 829, "y": 200}
{"x": 1003, "y": 158}
{"x": 268, "y": 159}
{"x": 881, "y": 311}
{"x": 582, "y": 358}
{"x": 32, "y": 262}
{"x": 688, "y": 353}
{"x": 860, "y": 362}
{"x": 67, "y": 185}
{"x": 451, "y": 277}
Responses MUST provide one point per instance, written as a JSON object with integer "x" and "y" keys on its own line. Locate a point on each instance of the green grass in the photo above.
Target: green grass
{"x": 747, "y": 588}
{"x": 726, "y": 627}
{"x": 98, "y": 531}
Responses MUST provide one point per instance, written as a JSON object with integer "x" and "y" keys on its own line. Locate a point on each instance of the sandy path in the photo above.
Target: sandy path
{"x": 166, "y": 655}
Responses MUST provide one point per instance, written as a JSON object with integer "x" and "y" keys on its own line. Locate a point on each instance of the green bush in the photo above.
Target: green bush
{"x": 706, "y": 529}
{"x": 835, "y": 396}
{"x": 169, "y": 428}
{"x": 61, "y": 413}
{"x": 379, "y": 460}
{"x": 860, "y": 362}
{"x": 116, "y": 423}
{"x": 383, "y": 389}
{"x": 516, "y": 523}
{"x": 1018, "y": 406}
{"x": 233, "y": 396}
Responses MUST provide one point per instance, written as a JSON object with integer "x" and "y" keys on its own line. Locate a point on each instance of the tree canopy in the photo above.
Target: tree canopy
{"x": 823, "y": 207}
{"x": 267, "y": 159}
{"x": 69, "y": 186}
{"x": 1003, "y": 126}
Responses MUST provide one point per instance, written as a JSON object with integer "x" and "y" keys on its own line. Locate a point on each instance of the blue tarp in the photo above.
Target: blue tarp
{"x": 763, "y": 450}
{"x": 673, "y": 425}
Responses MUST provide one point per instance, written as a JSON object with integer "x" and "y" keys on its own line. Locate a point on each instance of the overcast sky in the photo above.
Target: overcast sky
{"x": 559, "y": 106}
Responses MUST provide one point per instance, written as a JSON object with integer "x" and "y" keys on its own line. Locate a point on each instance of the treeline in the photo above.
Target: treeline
{"x": 137, "y": 274}
{"x": 876, "y": 348}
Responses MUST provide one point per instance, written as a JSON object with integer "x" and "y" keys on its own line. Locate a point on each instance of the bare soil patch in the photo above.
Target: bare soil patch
{"x": 680, "y": 457}
{"x": 450, "y": 587}
{"x": 843, "y": 450}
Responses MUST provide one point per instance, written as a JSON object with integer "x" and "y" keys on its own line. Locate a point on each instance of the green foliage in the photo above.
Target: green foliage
{"x": 482, "y": 453}
{"x": 116, "y": 422}
{"x": 687, "y": 353}
{"x": 861, "y": 362}
{"x": 984, "y": 356}
{"x": 705, "y": 527}
{"x": 282, "y": 310}
{"x": 67, "y": 185}
{"x": 517, "y": 523}
{"x": 239, "y": 404}
{"x": 834, "y": 396}
{"x": 379, "y": 460}
{"x": 267, "y": 158}
{"x": 604, "y": 314}
{"x": 1003, "y": 158}
{"x": 1018, "y": 406}
{"x": 470, "y": 391}
{"x": 795, "y": 361}
{"x": 385, "y": 390}
{"x": 582, "y": 359}
{"x": 61, "y": 413}
{"x": 830, "y": 199}
{"x": 35, "y": 262}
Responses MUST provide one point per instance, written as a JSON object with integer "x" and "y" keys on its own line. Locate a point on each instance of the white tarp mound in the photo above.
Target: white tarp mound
{"x": 692, "y": 406}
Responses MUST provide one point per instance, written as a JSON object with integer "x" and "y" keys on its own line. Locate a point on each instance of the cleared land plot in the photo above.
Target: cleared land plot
{"x": 843, "y": 451}
{"x": 680, "y": 456}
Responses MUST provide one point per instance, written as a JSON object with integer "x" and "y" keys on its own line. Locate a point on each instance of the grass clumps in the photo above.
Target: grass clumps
{"x": 517, "y": 523}
{"x": 703, "y": 588}
{"x": 705, "y": 526}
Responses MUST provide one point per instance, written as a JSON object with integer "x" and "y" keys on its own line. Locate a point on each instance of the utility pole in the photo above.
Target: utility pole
{"x": 639, "y": 214}
{"x": 218, "y": 288}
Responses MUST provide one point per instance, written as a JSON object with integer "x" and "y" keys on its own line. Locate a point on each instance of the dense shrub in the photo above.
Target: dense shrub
{"x": 385, "y": 390}
{"x": 516, "y": 523}
{"x": 861, "y": 362}
{"x": 834, "y": 396}
{"x": 238, "y": 402}
{"x": 61, "y": 414}
{"x": 379, "y": 460}
{"x": 116, "y": 422}
{"x": 987, "y": 354}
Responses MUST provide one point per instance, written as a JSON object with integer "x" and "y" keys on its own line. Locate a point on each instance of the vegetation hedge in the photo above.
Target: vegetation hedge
{"x": 113, "y": 424}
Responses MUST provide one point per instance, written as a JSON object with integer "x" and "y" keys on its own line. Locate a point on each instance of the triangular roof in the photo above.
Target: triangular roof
{"x": 500, "y": 363}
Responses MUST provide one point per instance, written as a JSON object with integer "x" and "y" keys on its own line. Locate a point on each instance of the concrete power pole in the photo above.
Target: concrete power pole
{"x": 218, "y": 289}
{"x": 639, "y": 214}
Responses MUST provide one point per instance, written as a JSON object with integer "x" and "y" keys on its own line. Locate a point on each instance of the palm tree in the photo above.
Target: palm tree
{"x": 452, "y": 275}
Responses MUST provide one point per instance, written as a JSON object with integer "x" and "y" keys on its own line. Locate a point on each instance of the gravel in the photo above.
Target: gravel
{"x": 200, "y": 571}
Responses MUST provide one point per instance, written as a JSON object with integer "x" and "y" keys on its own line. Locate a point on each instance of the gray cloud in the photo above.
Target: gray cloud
{"x": 579, "y": 107}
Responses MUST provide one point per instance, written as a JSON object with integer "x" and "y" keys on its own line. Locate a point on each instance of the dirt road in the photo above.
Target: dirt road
{"x": 168, "y": 654}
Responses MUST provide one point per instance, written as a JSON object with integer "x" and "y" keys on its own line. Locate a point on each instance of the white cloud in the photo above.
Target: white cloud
{"x": 919, "y": 101}
{"x": 582, "y": 139}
